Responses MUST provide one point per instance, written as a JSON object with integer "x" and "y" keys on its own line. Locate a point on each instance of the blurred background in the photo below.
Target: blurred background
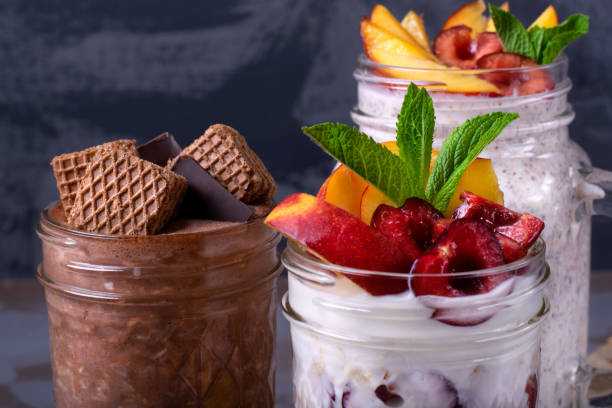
{"x": 76, "y": 74}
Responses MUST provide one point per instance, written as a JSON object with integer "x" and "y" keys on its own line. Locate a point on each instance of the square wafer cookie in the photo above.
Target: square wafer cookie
{"x": 223, "y": 152}
{"x": 70, "y": 167}
{"x": 122, "y": 194}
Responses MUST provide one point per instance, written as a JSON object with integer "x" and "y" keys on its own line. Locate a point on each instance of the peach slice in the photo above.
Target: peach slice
{"x": 370, "y": 200}
{"x": 490, "y": 24}
{"x": 385, "y": 48}
{"x": 336, "y": 236}
{"x": 471, "y": 15}
{"x": 547, "y": 19}
{"x": 413, "y": 23}
{"x": 480, "y": 178}
{"x": 344, "y": 189}
{"x": 383, "y": 18}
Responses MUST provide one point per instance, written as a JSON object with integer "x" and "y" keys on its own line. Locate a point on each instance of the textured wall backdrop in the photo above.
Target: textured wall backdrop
{"x": 78, "y": 73}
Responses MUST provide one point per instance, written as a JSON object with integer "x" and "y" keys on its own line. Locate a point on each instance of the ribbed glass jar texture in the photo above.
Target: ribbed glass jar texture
{"x": 185, "y": 319}
{"x": 352, "y": 349}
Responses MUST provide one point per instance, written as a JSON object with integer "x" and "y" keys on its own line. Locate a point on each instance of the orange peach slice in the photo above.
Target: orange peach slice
{"x": 370, "y": 200}
{"x": 336, "y": 236}
{"x": 471, "y": 15}
{"x": 385, "y": 20}
{"x": 413, "y": 23}
{"x": 388, "y": 49}
{"x": 490, "y": 24}
{"x": 344, "y": 189}
{"x": 547, "y": 19}
{"x": 479, "y": 178}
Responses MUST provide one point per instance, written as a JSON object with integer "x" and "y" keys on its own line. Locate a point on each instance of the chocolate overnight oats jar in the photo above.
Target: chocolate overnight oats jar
{"x": 539, "y": 169}
{"x": 185, "y": 318}
{"x": 353, "y": 349}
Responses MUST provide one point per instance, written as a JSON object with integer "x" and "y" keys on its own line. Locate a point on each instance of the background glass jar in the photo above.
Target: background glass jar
{"x": 540, "y": 170}
{"x": 353, "y": 349}
{"x": 185, "y": 319}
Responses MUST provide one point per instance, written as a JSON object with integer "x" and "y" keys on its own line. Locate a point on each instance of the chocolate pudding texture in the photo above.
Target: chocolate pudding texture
{"x": 183, "y": 318}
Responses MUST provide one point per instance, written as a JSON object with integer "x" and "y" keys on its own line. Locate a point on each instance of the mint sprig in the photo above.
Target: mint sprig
{"x": 401, "y": 177}
{"x": 540, "y": 44}
{"x": 415, "y": 128}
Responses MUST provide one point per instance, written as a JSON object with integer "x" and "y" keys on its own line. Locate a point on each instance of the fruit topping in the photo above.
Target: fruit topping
{"x": 466, "y": 245}
{"x": 413, "y": 223}
{"x": 547, "y": 19}
{"x": 420, "y": 389}
{"x": 455, "y": 46}
{"x": 523, "y": 228}
{"x": 512, "y": 250}
{"x": 385, "y": 48}
{"x": 413, "y": 23}
{"x": 336, "y": 236}
{"x": 514, "y": 82}
{"x": 470, "y": 15}
{"x": 384, "y": 19}
{"x": 344, "y": 189}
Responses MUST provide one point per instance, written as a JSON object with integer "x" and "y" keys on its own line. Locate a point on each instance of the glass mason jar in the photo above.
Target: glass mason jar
{"x": 540, "y": 170}
{"x": 183, "y": 319}
{"x": 352, "y": 349}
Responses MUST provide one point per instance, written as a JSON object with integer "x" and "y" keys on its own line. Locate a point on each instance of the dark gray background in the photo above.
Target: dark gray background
{"x": 79, "y": 73}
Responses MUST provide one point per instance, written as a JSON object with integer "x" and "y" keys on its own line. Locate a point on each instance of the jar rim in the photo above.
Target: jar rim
{"x": 297, "y": 256}
{"x": 47, "y": 220}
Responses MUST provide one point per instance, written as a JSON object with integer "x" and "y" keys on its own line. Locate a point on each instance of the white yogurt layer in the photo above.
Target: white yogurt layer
{"x": 354, "y": 343}
{"x": 538, "y": 170}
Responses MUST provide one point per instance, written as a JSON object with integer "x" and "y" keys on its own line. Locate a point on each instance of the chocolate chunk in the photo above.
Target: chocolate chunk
{"x": 160, "y": 149}
{"x": 206, "y": 198}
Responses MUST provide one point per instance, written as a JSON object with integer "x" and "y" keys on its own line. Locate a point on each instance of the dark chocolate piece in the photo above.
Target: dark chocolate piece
{"x": 160, "y": 149}
{"x": 206, "y": 198}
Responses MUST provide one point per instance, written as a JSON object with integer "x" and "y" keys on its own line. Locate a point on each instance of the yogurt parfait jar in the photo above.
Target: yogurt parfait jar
{"x": 540, "y": 170}
{"x": 353, "y": 349}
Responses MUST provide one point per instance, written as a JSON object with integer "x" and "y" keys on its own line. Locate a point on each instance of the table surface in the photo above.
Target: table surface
{"x": 25, "y": 371}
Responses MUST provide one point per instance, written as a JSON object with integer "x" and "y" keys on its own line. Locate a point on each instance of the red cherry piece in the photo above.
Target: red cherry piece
{"x": 487, "y": 43}
{"x": 522, "y": 228}
{"x": 512, "y": 250}
{"x": 454, "y": 47}
{"x": 411, "y": 224}
{"x": 514, "y": 83}
{"x": 393, "y": 224}
{"x": 439, "y": 227}
{"x": 466, "y": 245}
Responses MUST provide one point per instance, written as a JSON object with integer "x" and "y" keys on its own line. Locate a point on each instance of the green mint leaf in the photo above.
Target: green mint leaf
{"x": 513, "y": 35}
{"x": 415, "y": 128}
{"x": 461, "y": 147}
{"x": 370, "y": 160}
{"x": 560, "y": 36}
{"x": 537, "y": 36}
